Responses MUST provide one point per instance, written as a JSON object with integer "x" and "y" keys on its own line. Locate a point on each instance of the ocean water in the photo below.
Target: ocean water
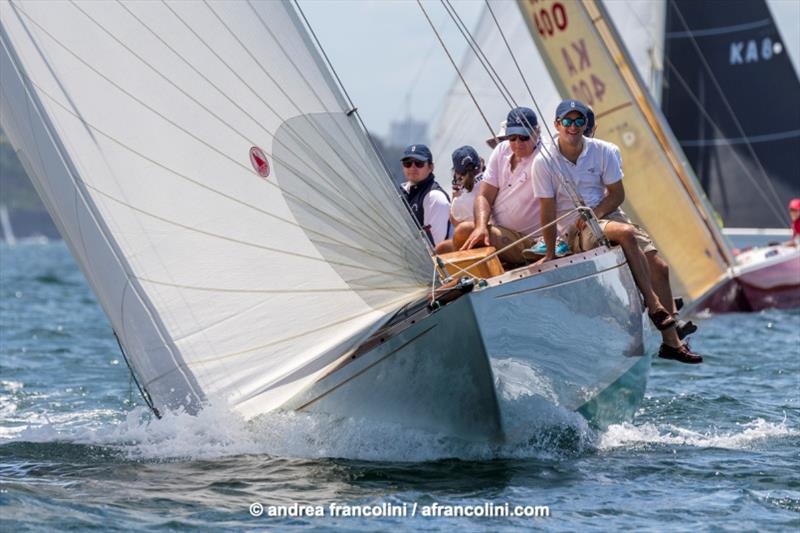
{"x": 713, "y": 447}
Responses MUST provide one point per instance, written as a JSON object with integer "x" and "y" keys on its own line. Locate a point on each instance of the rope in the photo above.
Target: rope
{"x": 586, "y": 211}
{"x": 452, "y": 62}
{"x": 576, "y": 198}
{"x": 482, "y": 59}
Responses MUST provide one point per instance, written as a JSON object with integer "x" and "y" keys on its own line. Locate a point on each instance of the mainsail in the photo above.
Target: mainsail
{"x": 587, "y": 61}
{"x": 214, "y": 186}
{"x": 730, "y": 95}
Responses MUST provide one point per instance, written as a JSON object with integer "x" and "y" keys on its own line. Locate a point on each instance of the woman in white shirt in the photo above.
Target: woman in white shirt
{"x": 467, "y": 174}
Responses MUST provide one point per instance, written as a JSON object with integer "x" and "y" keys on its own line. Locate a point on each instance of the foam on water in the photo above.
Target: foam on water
{"x": 534, "y": 429}
{"x": 632, "y": 436}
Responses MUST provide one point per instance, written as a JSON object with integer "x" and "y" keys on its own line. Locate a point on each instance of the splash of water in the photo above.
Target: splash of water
{"x": 534, "y": 429}
{"x": 631, "y": 436}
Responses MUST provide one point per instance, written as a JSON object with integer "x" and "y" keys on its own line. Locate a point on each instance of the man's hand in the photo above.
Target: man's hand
{"x": 580, "y": 224}
{"x": 479, "y": 237}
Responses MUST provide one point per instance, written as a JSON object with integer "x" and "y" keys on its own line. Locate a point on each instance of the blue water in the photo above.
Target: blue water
{"x": 714, "y": 446}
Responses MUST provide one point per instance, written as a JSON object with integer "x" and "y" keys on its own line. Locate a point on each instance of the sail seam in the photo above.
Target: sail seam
{"x": 238, "y": 241}
{"x": 276, "y": 291}
{"x": 390, "y": 305}
{"x": 356, "y": 229}
{"x": 375, "y": 217}
{"x": 372, "y": 253}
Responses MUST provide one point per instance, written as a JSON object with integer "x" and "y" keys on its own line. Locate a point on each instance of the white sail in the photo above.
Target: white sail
{"x": 786, "y": 15}
{"x": 136, "y": 121}
{"x": 641, "y": 26}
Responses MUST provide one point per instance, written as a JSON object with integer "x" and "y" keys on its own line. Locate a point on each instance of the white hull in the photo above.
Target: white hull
{"x": 571, "y": 335}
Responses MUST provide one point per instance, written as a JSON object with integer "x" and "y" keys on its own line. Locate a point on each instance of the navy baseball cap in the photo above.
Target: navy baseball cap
{"x": 420, "y": 152}
{"x": 521, "y": 121}
{"x": 568, "y": 106}
{"x": 589, "y": 122}
{"x": 465, "y": 158}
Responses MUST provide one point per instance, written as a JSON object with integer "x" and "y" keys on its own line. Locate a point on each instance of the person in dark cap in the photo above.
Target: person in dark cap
{"x": 428, "y": 202}
{"x": 595, "y": 169}
{"x": 505, "y": 208}
{"x": 467, "y": 175}
{"x": 591, "y": 123}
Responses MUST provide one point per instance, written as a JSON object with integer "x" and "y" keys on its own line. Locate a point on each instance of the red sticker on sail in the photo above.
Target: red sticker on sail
{"x": 259, "y": 161}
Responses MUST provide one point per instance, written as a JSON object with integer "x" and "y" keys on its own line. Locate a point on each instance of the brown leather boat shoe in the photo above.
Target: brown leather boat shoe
{"x": 682, "y": 354}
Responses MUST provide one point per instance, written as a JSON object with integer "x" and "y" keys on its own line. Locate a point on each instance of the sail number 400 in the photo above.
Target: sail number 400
{"x": 591, "y": 91}
{"x": 549, "y": 20}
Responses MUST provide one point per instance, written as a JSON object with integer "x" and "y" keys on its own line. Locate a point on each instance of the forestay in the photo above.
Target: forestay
{"x": 229, "y": 213}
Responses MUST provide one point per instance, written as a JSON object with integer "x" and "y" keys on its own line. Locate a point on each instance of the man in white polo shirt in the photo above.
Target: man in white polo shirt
{"x": 595, "y": 169}
{"x": 428, "y": 202}
{"x": 505, "y": 209}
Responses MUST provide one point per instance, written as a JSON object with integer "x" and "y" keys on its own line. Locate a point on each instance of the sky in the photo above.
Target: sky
{"x": 388, "y": 57}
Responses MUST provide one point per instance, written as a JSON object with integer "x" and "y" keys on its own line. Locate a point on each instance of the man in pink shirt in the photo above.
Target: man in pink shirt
{"x": 505, "y": 209}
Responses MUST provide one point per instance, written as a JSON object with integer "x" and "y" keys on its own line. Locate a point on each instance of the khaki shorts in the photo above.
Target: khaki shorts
{"x": 501, "y": 237}
{"x": 581, "y": 241}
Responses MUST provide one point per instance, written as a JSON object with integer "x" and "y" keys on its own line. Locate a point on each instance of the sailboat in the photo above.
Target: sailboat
{"x": 219, "y": 192}
{"x": 743, "y": 140}
{"x": 594, "y": 65}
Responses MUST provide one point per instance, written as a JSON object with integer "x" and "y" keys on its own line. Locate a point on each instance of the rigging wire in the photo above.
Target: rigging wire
{"x": 404, "y": 200}
{"x": 560, "y": 163}
{"x": 505, "y": 93}
{"x": 556, "y": 162}
{"x": 779, "y": 212}
{"x": 450, "y": 57}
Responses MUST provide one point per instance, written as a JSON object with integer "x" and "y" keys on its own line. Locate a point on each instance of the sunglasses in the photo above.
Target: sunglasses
{"x": 408, "y": 163}
{"x": 520, "y": 138}
{"x": 579, "y": 122}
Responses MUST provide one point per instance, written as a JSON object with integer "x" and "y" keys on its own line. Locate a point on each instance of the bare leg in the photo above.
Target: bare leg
{"x": 462, "y": 233}
{"x": 445, "y": 247}
{"x": 623, "y": 235}
{"x": 659, "y": 275}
